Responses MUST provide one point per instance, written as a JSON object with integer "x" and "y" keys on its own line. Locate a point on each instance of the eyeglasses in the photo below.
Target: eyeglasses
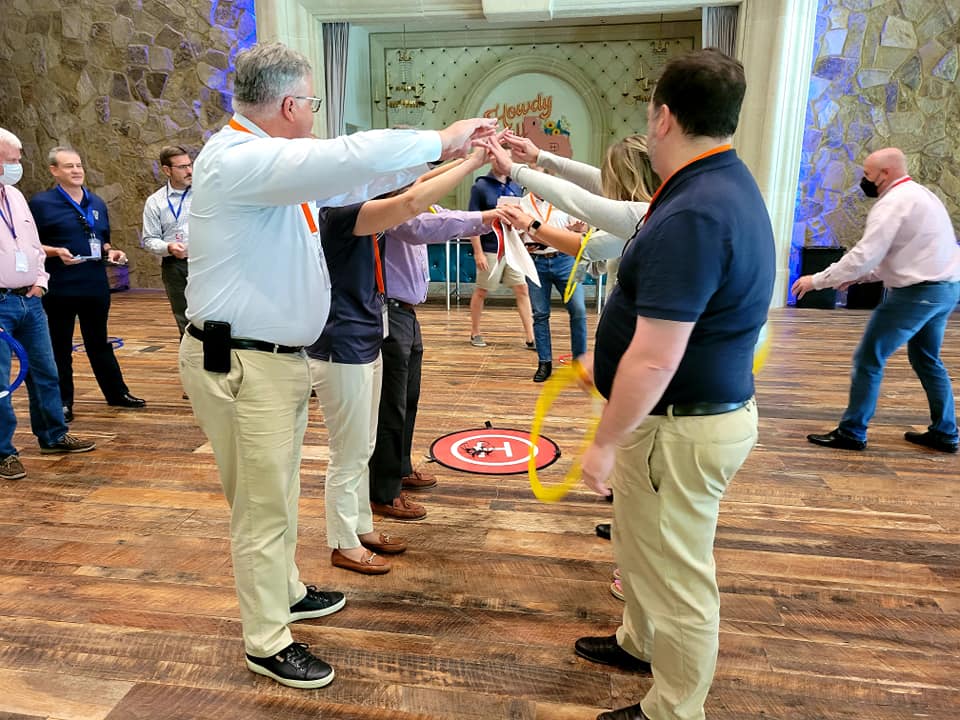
{"x": 185, "y": 166}
{"x": 314, "y": 102}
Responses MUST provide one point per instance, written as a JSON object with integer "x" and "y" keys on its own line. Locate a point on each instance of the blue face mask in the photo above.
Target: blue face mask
{"x": 12, "y": 173}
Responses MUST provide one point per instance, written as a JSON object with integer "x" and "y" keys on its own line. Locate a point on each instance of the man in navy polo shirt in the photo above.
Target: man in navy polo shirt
{"x": 492, "y": 270}
{"x": 674, "y": 357}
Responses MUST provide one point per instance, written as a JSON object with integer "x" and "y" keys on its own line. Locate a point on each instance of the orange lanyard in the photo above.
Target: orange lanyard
{"x": 381, "y": 288}
{"x": 311, "y": 223}
{"x": 535, "y": 202}
{"x": 715, "y": 151}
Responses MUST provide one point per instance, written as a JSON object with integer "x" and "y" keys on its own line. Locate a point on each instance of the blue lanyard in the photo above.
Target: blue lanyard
{"x": 9, "y": 223}
{"x": 87, "y": 214}
{"x": 176, "y": 213}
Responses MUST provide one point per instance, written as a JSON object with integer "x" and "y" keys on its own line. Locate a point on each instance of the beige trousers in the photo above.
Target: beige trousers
{"x": 669, "y": 477}
{"x": 255, "y": 417}
{"x": 349, "y": 397}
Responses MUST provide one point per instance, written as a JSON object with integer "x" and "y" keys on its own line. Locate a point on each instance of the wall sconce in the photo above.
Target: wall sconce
{"x": 644, "y": 89}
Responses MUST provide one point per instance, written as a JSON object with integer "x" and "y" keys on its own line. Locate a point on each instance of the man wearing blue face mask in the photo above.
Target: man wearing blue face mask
{"x": 23, "y": 281}
{"x": 909, "y": 244}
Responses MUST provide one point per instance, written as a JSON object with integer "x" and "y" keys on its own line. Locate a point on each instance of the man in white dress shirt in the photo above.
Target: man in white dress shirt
{"x": 258, "y": 291}
{"x": 910, "y": 245}
{"x": 165, "y": 228}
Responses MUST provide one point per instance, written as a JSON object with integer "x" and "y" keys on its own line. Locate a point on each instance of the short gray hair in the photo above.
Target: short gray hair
{"x": 8, "y": 138}
{"x": 265, "y": 74}
{"x": 52, "y": 155}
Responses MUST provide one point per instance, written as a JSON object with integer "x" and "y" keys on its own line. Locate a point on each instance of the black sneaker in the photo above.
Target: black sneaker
{"x": 317, "y": 603}
{"x": 294, "y": 666}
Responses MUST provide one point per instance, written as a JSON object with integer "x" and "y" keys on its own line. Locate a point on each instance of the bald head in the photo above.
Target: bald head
{"x": 890, "y": 159}
{"x": 883, "y": 168}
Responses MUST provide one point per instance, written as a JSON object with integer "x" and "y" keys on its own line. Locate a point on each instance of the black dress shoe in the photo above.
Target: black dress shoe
{"x": 928, "y": 439}
{"x": 317, "y": 603}
{"x": 543, "y": 371}
{"x": 67, "y": 413}
{"x": 606, "y": 651}
{"x": 603, "y": 531}
{"x": 294, "y": 666}
{"x": 634, "y": 712}
{"x": 128, "y": 401}
{"x": 839, "y": 440}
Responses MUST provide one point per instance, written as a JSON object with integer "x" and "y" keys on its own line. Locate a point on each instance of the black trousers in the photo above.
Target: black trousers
{"x": 402, "y": 354}
{"x": 62, "y": 313}
{"x": 173, "y": 272}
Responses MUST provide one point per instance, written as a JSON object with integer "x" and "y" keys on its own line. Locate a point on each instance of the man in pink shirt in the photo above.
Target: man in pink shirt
{"x": 23, "y": 281}
{"x": 910, "y": 245}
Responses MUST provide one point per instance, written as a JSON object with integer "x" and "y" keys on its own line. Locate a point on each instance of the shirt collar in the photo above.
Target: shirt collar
{"x": 249, "y": 125}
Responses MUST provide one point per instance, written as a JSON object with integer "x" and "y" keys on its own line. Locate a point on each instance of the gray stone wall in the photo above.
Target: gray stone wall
{"x": 118, "y": 80}
{"x": 885, "y": 73}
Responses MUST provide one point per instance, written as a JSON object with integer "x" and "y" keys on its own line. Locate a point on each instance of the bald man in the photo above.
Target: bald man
{"x": 910, "y": 245}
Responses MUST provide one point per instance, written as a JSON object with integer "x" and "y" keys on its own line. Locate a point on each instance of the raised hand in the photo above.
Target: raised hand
{"x": 517, "y": 217}
{"x": 501, "y": 161}
{"x": 523, "y": 148}
{"x": 457, "y": 139}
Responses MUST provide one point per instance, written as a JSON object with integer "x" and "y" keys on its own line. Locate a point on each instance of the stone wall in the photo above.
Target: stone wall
{"x": 885, "y": 73}
{"x": 117, "y": 80}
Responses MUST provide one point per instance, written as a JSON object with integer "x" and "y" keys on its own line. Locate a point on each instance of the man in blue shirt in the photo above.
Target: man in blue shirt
{"x": 674, "y": 357}
{"x": 492, "y": 269}
{"x": 75, "y": 231}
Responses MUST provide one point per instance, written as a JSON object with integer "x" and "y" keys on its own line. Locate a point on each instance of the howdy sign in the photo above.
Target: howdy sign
{"x": 492, "y": 451}
{"x": 512, "y": 115}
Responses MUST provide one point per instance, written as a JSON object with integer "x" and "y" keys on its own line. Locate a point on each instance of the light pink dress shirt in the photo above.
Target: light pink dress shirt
{"x": 26, "y": 241}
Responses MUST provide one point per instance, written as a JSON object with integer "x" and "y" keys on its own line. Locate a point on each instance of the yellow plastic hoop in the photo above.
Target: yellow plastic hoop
{"x": 558, "y": 382}
{"x": 571, "y": 281}
{"x": 761, "y": 350}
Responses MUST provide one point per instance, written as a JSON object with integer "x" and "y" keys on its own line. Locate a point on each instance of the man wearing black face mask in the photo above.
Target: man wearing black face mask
{"x": 909, "y": 244}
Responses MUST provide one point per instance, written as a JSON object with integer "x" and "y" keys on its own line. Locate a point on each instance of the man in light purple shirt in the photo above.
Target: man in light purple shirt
{"x": 406, "y": 273}
{"x": 910, "y": 245}
{"x": 23, "y": 281}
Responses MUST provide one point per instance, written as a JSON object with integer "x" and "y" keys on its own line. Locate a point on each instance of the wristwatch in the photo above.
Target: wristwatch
{"x": 534, "y": 226}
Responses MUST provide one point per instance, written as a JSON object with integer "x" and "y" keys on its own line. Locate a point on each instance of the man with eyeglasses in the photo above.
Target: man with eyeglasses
{"x": 259, "y": 291}
{"x": 165, "y": 228}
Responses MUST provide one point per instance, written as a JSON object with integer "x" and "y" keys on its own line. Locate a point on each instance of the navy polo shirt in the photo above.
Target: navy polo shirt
{"x": 705, "y": 255}
{"x": 60, "y": 225}
{"x": 354, "y": 330}
{"x": 483, "y": 196}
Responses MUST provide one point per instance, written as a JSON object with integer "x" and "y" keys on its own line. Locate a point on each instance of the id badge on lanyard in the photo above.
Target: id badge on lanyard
{"x": 96, "y": 247}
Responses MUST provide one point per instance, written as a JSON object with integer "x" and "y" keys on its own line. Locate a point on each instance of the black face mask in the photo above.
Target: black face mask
{"x": 869, "y": 187}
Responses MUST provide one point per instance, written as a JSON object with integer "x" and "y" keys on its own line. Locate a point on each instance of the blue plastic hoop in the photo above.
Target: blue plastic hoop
{"x": 18, "y": 350}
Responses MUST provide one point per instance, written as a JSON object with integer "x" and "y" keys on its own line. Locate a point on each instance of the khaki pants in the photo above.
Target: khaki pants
{"x": 668, "y": 479}
{"x": 255, "y": 417}
{"x": 349, "y": 397}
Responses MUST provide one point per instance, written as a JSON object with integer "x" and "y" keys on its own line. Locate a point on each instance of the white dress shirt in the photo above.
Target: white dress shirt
{"x": 254, "y": 261}
{"x": 908, "y": 240}
{"x": 161, "y": 224}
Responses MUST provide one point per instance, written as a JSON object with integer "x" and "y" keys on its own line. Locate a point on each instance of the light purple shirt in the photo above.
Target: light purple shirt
{"x": 407, "y": 272}
{"x": 27, "y": 241}
{"x": 909, "y": 239}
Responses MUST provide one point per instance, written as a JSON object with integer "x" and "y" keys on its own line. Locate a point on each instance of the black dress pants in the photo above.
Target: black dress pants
{"x": 402, "y": 354}
{"x": 92, "y": 311}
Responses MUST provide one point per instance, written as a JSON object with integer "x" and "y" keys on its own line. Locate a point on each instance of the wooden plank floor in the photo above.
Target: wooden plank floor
{"x": 840, "y": 572}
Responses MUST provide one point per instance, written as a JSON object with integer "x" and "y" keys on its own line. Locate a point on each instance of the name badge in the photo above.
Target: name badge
{"x": 96, "y": 248}
{"x": 385, "y": 318}
{"x": 21, "y": 261}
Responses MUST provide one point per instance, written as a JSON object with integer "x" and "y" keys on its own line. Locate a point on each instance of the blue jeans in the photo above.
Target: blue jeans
{"x": 553, "y": 273}
{"x": 916, "y": 315}
{"x": 24, "y": 318}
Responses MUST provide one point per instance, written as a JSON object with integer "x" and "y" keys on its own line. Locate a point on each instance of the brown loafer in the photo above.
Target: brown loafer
{"x": 400, "y": 509}
{"x": 371, "y": 564}
{"x": 418, "y": 481}
{"x": 386, "y": 544}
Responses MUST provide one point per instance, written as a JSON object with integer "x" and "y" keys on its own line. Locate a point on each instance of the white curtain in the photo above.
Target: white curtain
{"x": 720, "y": 28}
{"x": 335, "y": 38}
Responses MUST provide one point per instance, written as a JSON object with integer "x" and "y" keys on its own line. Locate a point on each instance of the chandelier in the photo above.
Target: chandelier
{"x": 403, "y": 97}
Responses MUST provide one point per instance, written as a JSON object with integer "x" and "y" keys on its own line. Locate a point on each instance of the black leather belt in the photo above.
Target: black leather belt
{"x": 401, "y": 304}
{"x": 16, "y": 291}
{"x": 547, "y": 256}
{"x": 700, "y": 408}
{"x": 245, "y": 344}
